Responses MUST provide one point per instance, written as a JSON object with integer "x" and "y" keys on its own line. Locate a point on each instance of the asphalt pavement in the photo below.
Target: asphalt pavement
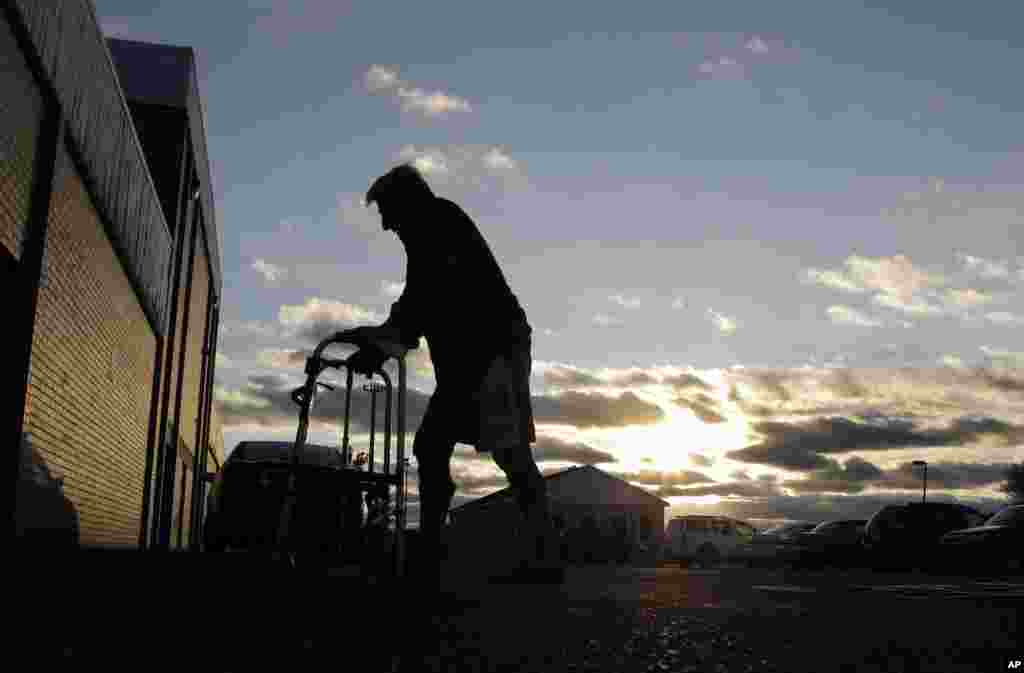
{"x": 206, "y": 614}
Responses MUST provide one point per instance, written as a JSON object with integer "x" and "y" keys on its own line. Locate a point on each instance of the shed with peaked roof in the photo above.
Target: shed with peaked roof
{"x": 599, "y": 516}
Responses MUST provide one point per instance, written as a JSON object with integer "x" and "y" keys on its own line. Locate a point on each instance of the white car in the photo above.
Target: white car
{"x": 707, "y": 540}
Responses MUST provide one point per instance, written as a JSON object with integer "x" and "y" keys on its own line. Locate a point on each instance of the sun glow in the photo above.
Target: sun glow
{"x": 669, "y": 444}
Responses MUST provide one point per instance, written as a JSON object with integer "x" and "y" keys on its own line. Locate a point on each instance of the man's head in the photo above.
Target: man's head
{"x": 398, "y": 194}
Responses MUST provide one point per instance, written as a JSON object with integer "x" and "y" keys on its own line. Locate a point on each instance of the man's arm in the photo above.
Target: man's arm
{"x": 405, "y": 312}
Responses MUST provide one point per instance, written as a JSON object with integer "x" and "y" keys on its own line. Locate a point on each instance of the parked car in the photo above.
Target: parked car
{"x": 832, "y": 543}
{"x": 907, "y": 536}
{"x": 773, "y": 545}
{"x": 245, "y": 501}
{"x": 997, "y": 545}
{"x": 707, "y": 540}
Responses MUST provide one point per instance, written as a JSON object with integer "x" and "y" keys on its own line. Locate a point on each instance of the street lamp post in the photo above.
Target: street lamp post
{"x": 373, "y": 388}
{"x": 924, "y": 485}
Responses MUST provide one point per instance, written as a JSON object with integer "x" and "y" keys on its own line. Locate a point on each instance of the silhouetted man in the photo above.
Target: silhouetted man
{"x": 458, "y": 299}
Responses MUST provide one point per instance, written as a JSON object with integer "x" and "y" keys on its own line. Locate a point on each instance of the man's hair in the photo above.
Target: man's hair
{"x": 401, "y": 182}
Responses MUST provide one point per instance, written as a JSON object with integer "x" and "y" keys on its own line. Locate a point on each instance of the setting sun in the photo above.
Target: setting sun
{"x": 669, "y": 444}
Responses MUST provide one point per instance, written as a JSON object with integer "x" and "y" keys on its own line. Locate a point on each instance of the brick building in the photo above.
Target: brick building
{"x": 111, "y": 251}
{"x": 601, "y": 518}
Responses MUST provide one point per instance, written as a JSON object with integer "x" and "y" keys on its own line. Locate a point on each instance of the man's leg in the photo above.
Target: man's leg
{"x": 433, "y": 450}
{"x": 530, "y": 491}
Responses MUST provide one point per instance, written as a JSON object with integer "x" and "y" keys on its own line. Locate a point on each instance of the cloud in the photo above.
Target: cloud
{"x": 665, "y": 478}
{"x": 952, "y": 361}
{"x": 967, "y": 298}
{"x": 893, "y": 281}
{"x": 603, "y": 320}
{"x": 384, "y": 80}
{"x": 850, "y": 477}
{"x": 722, "y": 67}
{"x": 634, "y": 378}
{"x": 553, "y": 449}
{"x": 270, "y": 272}
{"x": 1004, "y": 358}
{"x": 237, "y": 401}
{"x": 479, "y": 167}
{"x": 379, "y": 78}
{"x": 625, "y": 302}
{"x": 756, "y": 45}
{"x": 799, "y": 446}
{"x": 393, "y": 290}
{"x": 496, "y": 159}
{"x": 725, "y": 324}
{"x": 1004, "y": 318}
{"x": 563, "y": 376}
{"x": 844, "y": 315}
{"x": 434, "y": 104}
{"x": 585, "y": 410}
{"x": 701, "y": 460}
{"x": 984, "y": 267}
{"x": 945, "y": 475}
{"x": 266, "y": 402}
{"x": 247, "y": 328}
{"x": 684, "y": 381}
{"x": 319, "y": 318}
{"x": 702, "y": 410}
{"x": 771, "y": 384}
{"x": 836, "y": 280}
{"x": 283, "y": 358}
{"x": 844, "y": 383}
{"x": 742, "y": 489}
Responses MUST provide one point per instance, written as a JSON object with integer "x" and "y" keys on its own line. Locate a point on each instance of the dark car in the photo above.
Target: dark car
{"x": 907, "y": 536}
{"x": 245, "y": 502}
{"x": 996, "y": 545}
{"x": 772, "y": 546}
{"x": 836, "y": 543}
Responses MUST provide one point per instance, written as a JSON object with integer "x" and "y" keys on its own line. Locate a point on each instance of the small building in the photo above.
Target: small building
{"x": 599, "y": 517}
{"x": 111, "y": 252}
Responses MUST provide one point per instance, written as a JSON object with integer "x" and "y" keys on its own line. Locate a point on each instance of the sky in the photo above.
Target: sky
{"x": 771, "y": 252}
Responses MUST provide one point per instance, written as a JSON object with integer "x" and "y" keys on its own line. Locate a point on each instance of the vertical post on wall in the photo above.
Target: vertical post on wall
{"x": 29, "y": 275}
{"x": 153, "y": 525}
{"x": 171, "y": 463}
{"x": 198, "y": 468}
{"x": 151, "y": 443}
{"x": 208, "y": 407}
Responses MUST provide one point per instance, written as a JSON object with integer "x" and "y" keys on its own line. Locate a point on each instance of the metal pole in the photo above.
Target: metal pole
{"x": 400, "y": 464}
{"x": 159, "y": 481}
{"x": 373, "y": 419}
{"x": 171, "y": 465}
{"x": 387, "y": 426}
{"x": 151, "y": 444}
{"x": 209, "y": 411}
{"x": 345, "y": 457}
{"x": 197, "y": 470}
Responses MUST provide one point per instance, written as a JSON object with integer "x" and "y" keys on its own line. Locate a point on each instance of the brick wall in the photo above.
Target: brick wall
{"x": 21, "y": 109}
{"x": 93, "y": 352}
